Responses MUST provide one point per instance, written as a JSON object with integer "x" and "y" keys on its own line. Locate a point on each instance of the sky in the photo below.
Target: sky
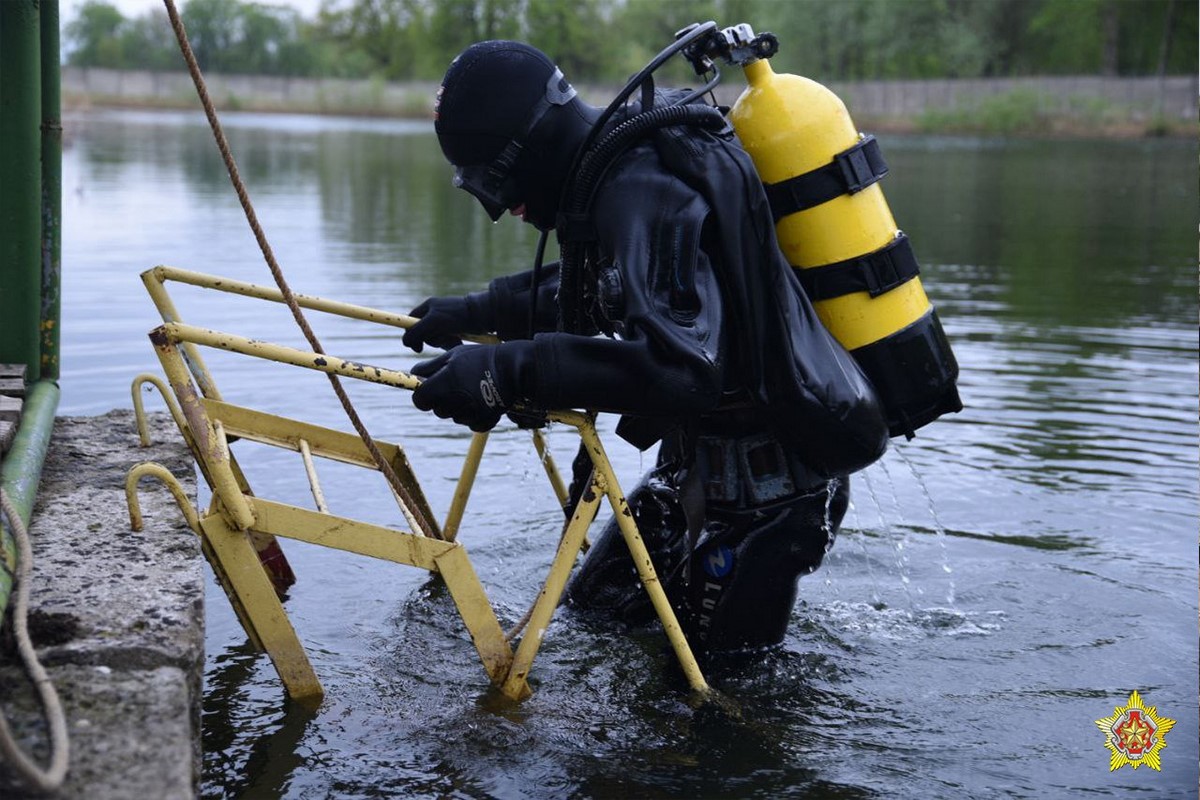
{"x": 134, "y": 8}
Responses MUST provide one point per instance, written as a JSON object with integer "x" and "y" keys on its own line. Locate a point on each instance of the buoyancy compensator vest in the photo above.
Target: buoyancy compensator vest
{"x": 835, "y": 228}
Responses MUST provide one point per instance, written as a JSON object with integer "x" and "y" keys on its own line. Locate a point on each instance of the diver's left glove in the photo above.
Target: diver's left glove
{"x": 474, "y": 385}
{"x": 443, "y": 320}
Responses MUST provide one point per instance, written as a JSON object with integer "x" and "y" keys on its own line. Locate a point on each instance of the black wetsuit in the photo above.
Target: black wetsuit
{"x": 712, "y": 348}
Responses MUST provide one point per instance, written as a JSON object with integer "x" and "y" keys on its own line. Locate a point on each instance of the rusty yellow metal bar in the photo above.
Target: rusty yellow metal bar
{"x": 446, "y": 558}
{"x": 231, "y": 548}
{"x": 479, "y": 617}
{"x": 155, "y": 280}
{"x": 462, "y": 490}
{"x": 408, "y": 477}
{"x": 257, "y": 426}
{"x": 208, "y": 448}
{"x": 269, "y": 552}
{"x": 268, "y": 549}
{"x": 314, "y": 484}
{"x": 352, "y": 536}
{"x": 556, "y": 481}
{"x": 606, "y": 479}
{"x": 286, "y": 433}
{"x": 139, "y": 412}
{"x": 179, "y": 332}
{"x": 543, "y": 609}
{"x": 163, "y": 273}
{"x": 191, "y": 355}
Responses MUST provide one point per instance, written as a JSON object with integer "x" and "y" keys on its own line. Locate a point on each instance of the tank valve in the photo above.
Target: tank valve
{"x": 737, "y": 45}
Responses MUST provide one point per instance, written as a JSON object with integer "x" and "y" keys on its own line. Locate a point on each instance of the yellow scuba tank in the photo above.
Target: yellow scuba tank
{"x": 834, "y": 226}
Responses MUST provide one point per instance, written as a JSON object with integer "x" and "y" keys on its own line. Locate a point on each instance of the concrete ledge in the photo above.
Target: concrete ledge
{"x": 117, "y": 616}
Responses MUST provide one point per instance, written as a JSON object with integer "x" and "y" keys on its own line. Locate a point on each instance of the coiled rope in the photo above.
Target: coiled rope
{"x": 416, "y": 513}
{"x": 52, "y": 777}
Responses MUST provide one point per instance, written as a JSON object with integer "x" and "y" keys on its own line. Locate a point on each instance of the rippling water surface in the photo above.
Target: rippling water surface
{"x": 1000, "y": 583}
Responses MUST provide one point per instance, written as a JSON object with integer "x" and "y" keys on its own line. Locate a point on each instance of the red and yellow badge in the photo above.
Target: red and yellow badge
{"x": 1135, "y": 734}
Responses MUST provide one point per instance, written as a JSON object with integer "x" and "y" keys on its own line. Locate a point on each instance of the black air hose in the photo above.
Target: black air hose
{"x": 597, "y": 160}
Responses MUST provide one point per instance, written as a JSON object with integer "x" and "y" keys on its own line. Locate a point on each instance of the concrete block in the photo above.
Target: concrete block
{"x": 117, "y": 617}
{"x": 124, "y": 728}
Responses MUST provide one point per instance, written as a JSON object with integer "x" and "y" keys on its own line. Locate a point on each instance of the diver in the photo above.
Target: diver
{"x": 675, "y": 309}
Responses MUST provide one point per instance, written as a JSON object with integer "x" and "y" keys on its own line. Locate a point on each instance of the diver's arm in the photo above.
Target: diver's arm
{"x": 509, "y": 298}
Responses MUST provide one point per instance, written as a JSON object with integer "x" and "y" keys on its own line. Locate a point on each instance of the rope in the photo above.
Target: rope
{"x": 52, "y": 777}
{"x": 423, "y": 524}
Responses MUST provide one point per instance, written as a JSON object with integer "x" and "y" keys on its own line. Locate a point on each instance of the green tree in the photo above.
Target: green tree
{"x": 212, "y": 27}
{"x": 572, "y": 35}
{"x": 456, "y": 24}
{"x": 93, "y": 36}
{"x": 611, "y": 39}
{"x": 384, "y": 37}
{"x": 642, "y": 28}
{"x": 148, "y": 42}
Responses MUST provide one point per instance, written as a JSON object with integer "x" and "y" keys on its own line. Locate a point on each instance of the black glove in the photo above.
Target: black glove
{"x": 444, "y": 319}
{"x": 475, "y": 385}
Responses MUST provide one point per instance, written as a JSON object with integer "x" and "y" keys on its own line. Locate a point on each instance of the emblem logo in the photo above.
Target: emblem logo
{"x": 719, "y": 562}
{"x": 488, "y": 390}
{"x": 1135, "y": 734}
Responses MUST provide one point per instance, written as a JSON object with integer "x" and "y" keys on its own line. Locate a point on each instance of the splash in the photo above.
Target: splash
{"x": 895, "y": 539}
{"x": 843, "y": 619}
{"x": 938, "y": 528}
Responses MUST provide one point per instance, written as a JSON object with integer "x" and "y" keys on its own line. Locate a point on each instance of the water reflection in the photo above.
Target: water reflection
{"x": 1049, "y": 227}
{"x": 368, "y": 203}
{"x": 1019, "y": 567}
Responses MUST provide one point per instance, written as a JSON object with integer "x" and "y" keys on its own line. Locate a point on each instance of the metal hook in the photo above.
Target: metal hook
{"x": 139, "y": 412}
{"x": 154, "y": 470}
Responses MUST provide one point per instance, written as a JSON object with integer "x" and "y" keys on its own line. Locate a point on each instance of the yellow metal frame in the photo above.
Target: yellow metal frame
{"x": 238, "y": 525}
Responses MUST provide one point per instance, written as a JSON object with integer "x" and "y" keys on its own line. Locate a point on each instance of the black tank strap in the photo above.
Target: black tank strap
{"x": 875, "y": 273}
{"x": 850, "y": 171}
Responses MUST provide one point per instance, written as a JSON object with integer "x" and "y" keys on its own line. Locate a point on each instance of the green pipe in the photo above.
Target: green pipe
{"x": 21, "y": 469}
{"x": 20, "y": 185}
{"x": 51, "y": 297}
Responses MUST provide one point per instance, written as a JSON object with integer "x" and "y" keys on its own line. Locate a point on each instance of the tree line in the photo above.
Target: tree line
{"x": 607, "y": 40}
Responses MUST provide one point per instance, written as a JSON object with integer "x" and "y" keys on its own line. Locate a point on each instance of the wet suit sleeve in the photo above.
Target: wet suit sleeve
{"x": 660, "y": 293}
{"x": 510, "y": 298}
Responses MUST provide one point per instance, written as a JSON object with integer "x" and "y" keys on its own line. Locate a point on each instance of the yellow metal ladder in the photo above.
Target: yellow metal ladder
{"x": 239, "y": 530}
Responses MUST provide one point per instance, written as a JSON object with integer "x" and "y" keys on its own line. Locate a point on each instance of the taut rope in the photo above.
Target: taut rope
{"x": 424, "y": 525}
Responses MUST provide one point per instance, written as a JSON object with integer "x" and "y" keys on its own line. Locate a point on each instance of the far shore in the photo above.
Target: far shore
{"x": 1056, "y": 107}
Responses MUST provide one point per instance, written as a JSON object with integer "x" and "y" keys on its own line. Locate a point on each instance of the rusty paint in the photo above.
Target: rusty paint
{"x": 193, "y": 411}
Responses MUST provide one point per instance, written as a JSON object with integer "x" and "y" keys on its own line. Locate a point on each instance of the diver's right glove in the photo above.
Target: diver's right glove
{"x": 475, "y": 385}
{"x": 444, "y": 319}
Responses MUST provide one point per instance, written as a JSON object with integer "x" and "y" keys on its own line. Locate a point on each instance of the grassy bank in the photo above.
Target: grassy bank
{"x": 1025, "y": 112}
{"x": 1044, "y": 107}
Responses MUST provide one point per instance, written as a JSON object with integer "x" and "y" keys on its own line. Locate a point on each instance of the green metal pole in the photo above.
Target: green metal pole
{"x": 49, "y": 326}
{"x": 20, "y": 185}
{"x": 21, "y": 470}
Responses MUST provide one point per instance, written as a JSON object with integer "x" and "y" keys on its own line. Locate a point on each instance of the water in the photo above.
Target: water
{"x": 1001, "y": 582}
